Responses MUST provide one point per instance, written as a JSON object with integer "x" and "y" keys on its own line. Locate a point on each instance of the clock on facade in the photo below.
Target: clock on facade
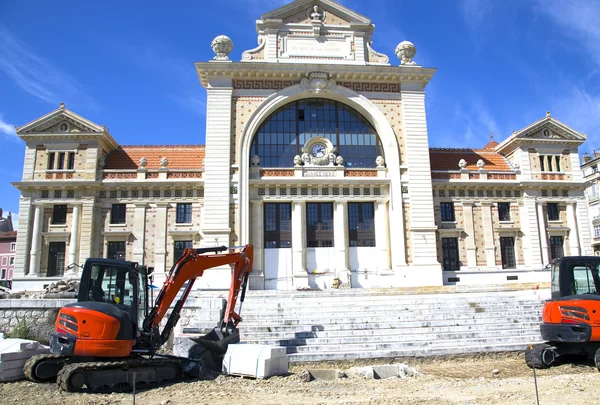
{"x": 318, "y": 150}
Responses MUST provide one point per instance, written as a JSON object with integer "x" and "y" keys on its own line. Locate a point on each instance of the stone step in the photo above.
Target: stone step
{"x": 533, "y": 326}
{"x": 387, "y": 306}
{"x": 248, "y": 316}
{"x": 424, "y": 337}
{"x": 412, "y": 352}
{"x": 311, "y": 319}
{"x": 399, "y": 298}
{"x": 397, "y": 345}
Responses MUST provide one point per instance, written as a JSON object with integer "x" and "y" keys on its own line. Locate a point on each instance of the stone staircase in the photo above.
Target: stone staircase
{"x": 350, "y": 324}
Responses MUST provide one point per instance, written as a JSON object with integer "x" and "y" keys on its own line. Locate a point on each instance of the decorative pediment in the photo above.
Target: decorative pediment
{"x": 60, "y": 121}
{"x": 545, "y": 130}
{"x": 303, "y": 12}
{"x": 312, "y": 31}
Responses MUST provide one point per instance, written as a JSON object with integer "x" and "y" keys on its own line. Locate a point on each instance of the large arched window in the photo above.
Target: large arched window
{"x": 284, "y": 133}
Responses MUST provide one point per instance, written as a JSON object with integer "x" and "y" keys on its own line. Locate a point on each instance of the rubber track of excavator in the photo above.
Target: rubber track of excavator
{"x": 120, "y": 374}
{"x": 52, "y": 359}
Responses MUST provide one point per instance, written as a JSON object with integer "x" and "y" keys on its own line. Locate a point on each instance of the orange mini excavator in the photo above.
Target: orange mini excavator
{"x": 571, "y": 318}
{"x": 109, "y": 339}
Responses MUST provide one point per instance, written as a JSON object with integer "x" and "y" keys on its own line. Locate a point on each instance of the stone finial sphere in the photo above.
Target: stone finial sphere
{"x": 406, "y": 51}
{"x": 222, "y": 46}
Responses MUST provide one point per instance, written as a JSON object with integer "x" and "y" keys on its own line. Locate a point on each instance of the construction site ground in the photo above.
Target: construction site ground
{"x": 465, "y": 381}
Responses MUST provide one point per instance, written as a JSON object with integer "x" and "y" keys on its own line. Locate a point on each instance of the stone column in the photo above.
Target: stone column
{"x": 470, "y": 232}
{"x": 74, "y": 242}
{"x": 340, "y": 240}
{"x": 36, "y": 238}
{"x": 139, "y": 232}
{"x": 257, "y": 276}
{"x": 543, "y": 234}
{"x": 24, "y": 236}
{"x": 488, "y": 234}
{"x": 160, "y": 249}
{"x": 530, "y": 231}
{"x": 90, "y": 229}
{"x": 573, "y": 229}
{"x": 382, "y": 236}
{"x": 299, "y": 274}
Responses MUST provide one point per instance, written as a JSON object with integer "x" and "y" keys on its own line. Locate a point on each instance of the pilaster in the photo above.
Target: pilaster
{"x": 139, "y": 230}
{"x": 582, "y": 219}
{"x": 29, "y": 164}
{"x": 74, "y": 242}
{"x": 271, "y": 44}
{"x": 531, "y": 236}
{"x": 488, "y": 234}
{"x": 160, "y": 247}
{"x": 382, "y": 236}
{"x": 340, "y": 239}
{"x": 88, "y": 231}
{"x": 422, "y": 225}
{"x": 543, "y": 233}
{"x": 299, "y": 274}
{"x": 573, "y": 229}
{"x": 257, "y": 276}
{"x": 470, "y": 232}
{"x": 218, "y": 161}
{"x": 23, "y": 237}
{"x": 36, "y": 241}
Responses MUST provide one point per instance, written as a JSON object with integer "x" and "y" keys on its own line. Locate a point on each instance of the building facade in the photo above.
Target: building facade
{"x": 317, "y": 153}
{"x": 592, "y": 179}
{"x": 8, "y": 247}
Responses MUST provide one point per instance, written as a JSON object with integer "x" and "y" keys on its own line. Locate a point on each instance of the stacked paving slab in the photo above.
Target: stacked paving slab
{"x": 351, "y": 324}
{"x": 13, "y": 355}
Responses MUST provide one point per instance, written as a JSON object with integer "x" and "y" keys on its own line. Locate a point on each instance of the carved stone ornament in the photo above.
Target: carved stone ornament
{"x": 255, "y": 160}
{"x": 318, "y": 151}
{"x": 377, "y": 57}
{"x": 317, "y": 14}
{"x": 480, "y": 164}
{"x": 164, "y": 163}
{"x": 255, "y": 53}
{"x": 339, "y": 161}
{"x": 406, "y": 51}
{"x": 462, "y": 164}
{"x": 516, "y": 165}
{"x": 380, "y": 161}
{"x": 222, "y": 47}
{"x": 297, "y": 160}
{"x": 143, "y": 162}
{"x": 318, "y": 82}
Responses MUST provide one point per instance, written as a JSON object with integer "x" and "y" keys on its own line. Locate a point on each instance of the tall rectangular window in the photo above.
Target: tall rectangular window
{"x": 557, "y": 160}
{"x": 56, "y": 259}
{"x": 118, "y": 213}
{"x": 59, "y": 214}
{"x": 361, "y": 224}
{"x": 71, "y": 163}
{"x": 51, "y": 157}
{"x": 549, "y": 163}
{"x": 319, "y": 224}
{"x": 116, "y": 250}
{"x": 278, "y": 225}
{"x": 597, "y": 231}
{"x": 504, "y": 211}
{"x": 184, "y": 213}
{"x": 447, "y": 211}
{"x": 11, "y": 261}
{"x": 61, "y": 161}
{"x": 553, "y": 214}
{"x": 556, "y": 247}
{"x": 450, "y": 254}
{"x": 13, "y": 246}
{"x": 3, "y": 274}
{"x": 179, "y": 247}
{"x": 542, "y": 165}
{"x": 507, "y": 252}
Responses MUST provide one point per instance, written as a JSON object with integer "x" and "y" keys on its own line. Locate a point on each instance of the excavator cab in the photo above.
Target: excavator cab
{"x": 571, "y": 317}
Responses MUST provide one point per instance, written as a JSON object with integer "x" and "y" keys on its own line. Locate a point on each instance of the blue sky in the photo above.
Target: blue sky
{"x": 129, "y": 65}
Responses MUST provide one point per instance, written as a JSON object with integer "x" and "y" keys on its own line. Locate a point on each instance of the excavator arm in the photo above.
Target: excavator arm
{"x": 187, "y": 269}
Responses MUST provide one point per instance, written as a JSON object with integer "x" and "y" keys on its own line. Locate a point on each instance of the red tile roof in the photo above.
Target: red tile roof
{"x": 8, "y": 235}
{"x": 179, "y": 156}
{"x": 447, "y": 159}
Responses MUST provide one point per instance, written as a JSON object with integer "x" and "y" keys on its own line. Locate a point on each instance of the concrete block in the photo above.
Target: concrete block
{"x": 326, "y": 374}
{"x": 13, "y": 355}
{"x": 384, "y": 371}
{"x": 259, "y": 361}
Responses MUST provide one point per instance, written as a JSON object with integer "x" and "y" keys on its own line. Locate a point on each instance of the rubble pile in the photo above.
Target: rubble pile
{"x": 63, "y": 286}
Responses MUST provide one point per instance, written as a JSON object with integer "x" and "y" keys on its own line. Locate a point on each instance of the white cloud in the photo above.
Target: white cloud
{"x": 36, "y": 75}
{"x": 7, "y": 130}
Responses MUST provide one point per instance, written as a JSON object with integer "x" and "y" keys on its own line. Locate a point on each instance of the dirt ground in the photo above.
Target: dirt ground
{"x": 463, "y": 381}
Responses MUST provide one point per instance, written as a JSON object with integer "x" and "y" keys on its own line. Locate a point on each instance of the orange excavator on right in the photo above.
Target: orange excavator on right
{"x": 571, "y": 317}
